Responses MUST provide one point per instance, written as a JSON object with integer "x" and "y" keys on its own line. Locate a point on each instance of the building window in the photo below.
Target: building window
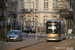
{"x": 0, "y": 11}
{"x": 22, "y": 4}
{"x": 0, "y": 1}
{"x": 36, "y": 4}
{"x": 70, "y": 3}
{"x": 29, "y": 5}
{"x": 54, "y": 17}
{"x": 28, "y": 17}
{"x": 54, "y": 4}
{"x": 4, "y": 1}
{"x": 4, "y": 12}
{"x": 45, "y": 4}
{"x": 13, "y": 7}
{"x": 45, "y": 19}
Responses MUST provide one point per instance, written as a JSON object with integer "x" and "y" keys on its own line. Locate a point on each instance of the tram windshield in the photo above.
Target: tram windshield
{"x": 52, "y": 29}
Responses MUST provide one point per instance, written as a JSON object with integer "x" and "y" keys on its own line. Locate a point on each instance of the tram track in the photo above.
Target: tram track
{"x": 62, "y": 44}
{"x": 39, "y": 46}
{"x": 49, "y": 45}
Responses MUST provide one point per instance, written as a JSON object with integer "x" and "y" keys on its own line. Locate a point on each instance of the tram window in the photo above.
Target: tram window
{"x": 49, "y": 31}
{"x": 52, "y": 29}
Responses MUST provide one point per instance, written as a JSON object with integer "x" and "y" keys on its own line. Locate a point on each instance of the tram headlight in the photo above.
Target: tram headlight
{"x": 53, "y": 27}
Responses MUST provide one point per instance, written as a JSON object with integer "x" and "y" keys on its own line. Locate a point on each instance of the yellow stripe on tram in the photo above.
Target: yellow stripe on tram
{"x": 52, "y": 35}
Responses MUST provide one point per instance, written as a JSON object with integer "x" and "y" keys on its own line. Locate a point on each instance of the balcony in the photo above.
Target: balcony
{"x": 55, "y": 9}
{"x": 13, "y": 1}
{"x": 12, "y": 12}
{"x": 63, "y": 10}
{"x": 28, "y": 10}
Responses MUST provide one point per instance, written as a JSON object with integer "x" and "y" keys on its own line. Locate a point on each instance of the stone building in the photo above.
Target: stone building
{"x": 2, "y": 13}
{"x": 30, "y": 11}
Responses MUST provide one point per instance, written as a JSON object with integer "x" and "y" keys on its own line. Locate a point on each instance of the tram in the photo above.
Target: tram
{"x": 56, "y": 29}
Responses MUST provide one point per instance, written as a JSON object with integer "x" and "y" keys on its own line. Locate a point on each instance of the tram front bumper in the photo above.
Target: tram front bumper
{"x": 52, "y": 38}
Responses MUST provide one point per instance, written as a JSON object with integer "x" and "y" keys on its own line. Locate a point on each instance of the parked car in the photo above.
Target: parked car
{"x": 29, "y": 31}
{"x": 33, "y": 31}
{"x": 14, "y": 35}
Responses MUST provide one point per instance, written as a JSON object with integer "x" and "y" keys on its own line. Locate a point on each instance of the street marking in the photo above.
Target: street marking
{"x": 61, "y": 48}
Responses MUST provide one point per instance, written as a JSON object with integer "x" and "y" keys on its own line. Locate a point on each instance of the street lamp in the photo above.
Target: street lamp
{"x": 33, "y": 16}
{"x": 36, "y": 29}
{"x": 25, "y": 24}
{"x": 33, "y": 22}
{"x": 21, "y": 22}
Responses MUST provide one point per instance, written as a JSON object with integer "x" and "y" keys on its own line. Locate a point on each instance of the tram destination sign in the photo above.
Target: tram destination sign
{"x": 52, "y": 23}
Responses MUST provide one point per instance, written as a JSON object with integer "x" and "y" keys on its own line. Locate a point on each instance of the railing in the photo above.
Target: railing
{"x": 55, "y": 9}
{"x": 26, "y": 10}
{"x": 13, "y": 12}
{"x": 12, "y": 1}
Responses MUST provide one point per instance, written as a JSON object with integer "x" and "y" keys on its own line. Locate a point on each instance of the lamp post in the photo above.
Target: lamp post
{"x": 36, "y": 29}
{"x": 33, "y": 16}
{"x": 11, "y": 16}
{"x": 25, "y": 24}
{"x": 21, "y": 22}
{"x": 6, "y": 22}
{"x": 26, "y": 29}
{"x": 33, "y": 23}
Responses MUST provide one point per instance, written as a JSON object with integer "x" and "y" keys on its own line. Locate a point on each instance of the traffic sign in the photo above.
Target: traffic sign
{"x": 40, "y": 24}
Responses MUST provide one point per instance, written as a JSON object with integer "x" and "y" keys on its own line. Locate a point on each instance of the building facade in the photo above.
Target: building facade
{"x": 30, "y": 11}
{"x": 40, "y": 10}
{"x": 2, "y": 13}
{"x": 12, "y": 12}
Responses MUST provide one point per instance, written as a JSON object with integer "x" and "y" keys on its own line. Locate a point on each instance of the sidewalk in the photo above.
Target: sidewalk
{"x": 28, "y": 42}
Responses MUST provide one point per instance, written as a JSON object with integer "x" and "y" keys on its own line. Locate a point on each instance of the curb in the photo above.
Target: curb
{"x": 19, "y": 48}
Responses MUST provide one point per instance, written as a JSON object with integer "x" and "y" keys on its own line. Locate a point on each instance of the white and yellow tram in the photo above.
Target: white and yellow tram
{"x": 55, "y": 30}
